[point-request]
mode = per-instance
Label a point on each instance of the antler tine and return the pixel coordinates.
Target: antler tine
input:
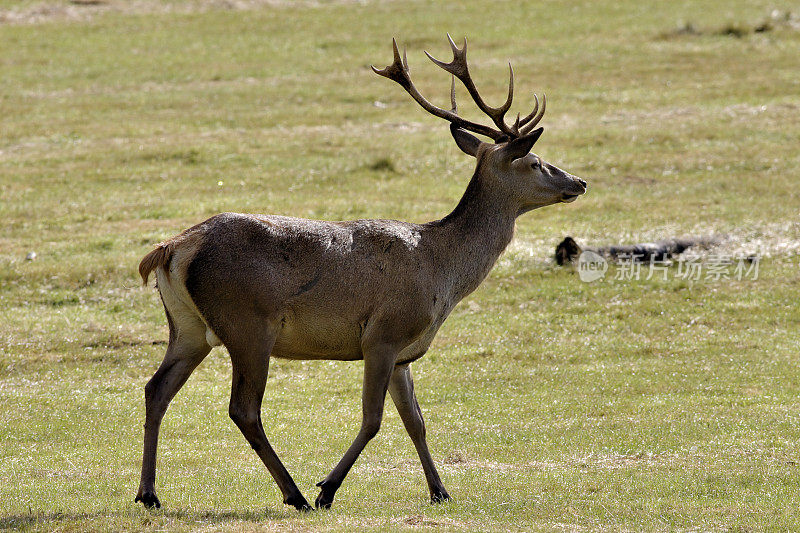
(533, 113)
(459, 68)
(453, 44)
(503, 109)
(535, 120)
(398, 72)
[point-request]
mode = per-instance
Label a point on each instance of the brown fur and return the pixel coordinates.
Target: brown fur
(159, 257)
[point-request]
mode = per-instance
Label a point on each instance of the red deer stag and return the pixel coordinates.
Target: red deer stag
(378, 290)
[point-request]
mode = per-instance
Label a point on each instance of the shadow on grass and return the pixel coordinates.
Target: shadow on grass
(34, 519)
(230, 515)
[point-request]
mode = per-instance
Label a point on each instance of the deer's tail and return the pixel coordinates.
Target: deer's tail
(159, 257)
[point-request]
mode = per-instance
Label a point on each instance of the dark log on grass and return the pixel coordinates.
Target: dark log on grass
(568, 250)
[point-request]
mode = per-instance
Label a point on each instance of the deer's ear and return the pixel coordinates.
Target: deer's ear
(468, 143)
(521, 146)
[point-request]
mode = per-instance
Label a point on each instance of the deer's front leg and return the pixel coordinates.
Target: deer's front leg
(378, 366)
(401, 387)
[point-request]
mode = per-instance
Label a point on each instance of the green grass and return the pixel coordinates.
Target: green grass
(551, 404)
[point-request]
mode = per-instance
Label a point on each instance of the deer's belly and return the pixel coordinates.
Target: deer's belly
(340, 346)
(310, 335)
(318, 338)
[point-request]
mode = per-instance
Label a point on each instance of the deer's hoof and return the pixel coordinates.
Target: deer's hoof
(298, 502)
(325, 498)
(148, 499)
(323, 501)
(439, 496)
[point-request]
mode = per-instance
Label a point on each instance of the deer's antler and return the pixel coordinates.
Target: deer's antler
(458, 68)
(398, 72)
(533, 119)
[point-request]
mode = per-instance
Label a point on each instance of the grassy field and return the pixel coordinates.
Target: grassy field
(551, 404)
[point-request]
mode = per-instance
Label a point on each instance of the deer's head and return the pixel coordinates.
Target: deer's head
(507, 164)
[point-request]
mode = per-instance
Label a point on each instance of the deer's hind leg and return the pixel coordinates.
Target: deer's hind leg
(187, 348)
(250, 352)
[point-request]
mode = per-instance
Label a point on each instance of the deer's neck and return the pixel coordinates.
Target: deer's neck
(472, 237)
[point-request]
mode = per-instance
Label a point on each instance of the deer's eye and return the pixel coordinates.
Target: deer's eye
(536, 165)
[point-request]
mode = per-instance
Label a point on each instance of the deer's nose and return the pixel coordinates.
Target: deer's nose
(582, 182)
